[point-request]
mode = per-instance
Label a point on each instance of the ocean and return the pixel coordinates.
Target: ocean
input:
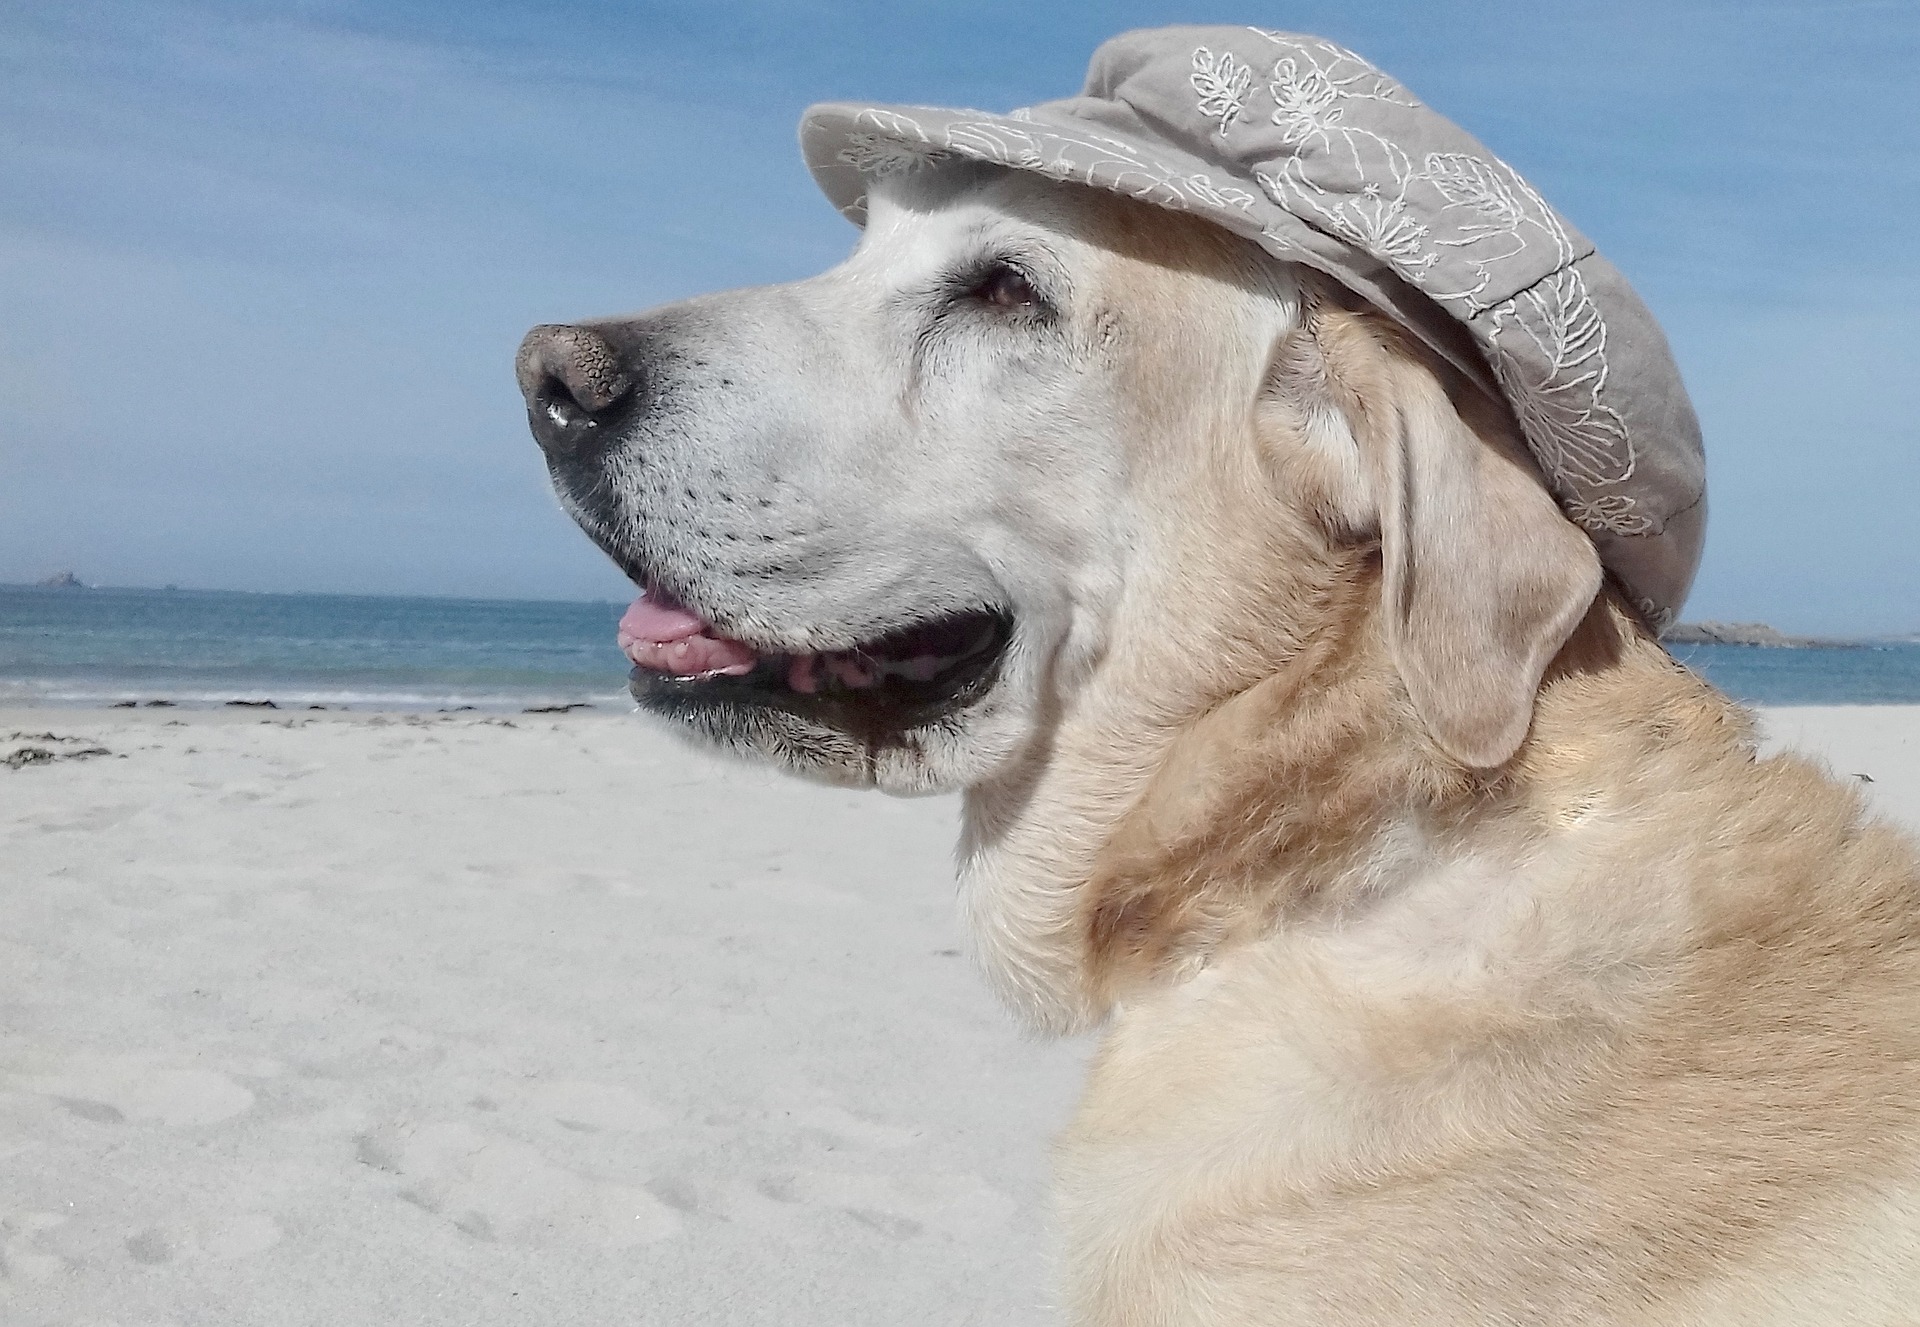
(209, 647)
(204, 648)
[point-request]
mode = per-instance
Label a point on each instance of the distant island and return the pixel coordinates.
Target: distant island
(64, 580)
(1737, 633)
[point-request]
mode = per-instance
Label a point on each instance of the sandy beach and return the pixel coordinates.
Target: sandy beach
(358, 1019)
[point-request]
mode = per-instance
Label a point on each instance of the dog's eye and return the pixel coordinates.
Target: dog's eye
(1005, 288)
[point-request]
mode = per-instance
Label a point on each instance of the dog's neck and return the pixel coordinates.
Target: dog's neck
(1134, 857)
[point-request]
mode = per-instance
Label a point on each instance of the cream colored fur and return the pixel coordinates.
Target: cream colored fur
(1458, 960)
(1461, 961)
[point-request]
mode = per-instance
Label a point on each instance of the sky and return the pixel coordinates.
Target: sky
(263, 267)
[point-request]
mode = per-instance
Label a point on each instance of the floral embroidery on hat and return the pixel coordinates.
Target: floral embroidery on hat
(1204, 190)
(1615, 513)
(1305, 102)
(1223, 83)
(1475, 185)
(1549, 349)
(885, 158)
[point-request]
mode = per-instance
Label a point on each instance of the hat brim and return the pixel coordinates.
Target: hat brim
(847, 146)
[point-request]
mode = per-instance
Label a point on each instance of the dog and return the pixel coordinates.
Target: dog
(1458, 959)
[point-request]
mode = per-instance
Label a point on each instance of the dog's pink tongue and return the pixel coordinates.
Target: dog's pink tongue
(658, 619)
(659, 633)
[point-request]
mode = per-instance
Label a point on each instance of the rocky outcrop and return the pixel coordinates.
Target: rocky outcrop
(1733, 633)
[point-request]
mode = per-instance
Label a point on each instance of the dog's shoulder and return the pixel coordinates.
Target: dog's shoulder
(1651, 996)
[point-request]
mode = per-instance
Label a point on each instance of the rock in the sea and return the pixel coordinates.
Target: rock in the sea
(64, 580)
(1732, 633)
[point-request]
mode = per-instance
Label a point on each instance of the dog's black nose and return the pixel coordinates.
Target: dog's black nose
(574, 385)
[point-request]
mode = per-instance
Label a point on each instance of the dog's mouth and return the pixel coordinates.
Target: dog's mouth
(877, 689)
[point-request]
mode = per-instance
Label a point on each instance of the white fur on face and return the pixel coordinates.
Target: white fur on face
(824, 462)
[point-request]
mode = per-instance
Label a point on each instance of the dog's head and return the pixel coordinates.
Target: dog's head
(1032, 450)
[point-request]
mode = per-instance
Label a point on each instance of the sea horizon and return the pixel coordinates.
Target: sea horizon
(95, 646)
(86, 647)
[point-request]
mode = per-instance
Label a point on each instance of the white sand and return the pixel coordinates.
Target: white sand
(386, 1021)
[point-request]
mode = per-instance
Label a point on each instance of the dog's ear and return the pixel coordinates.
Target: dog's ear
(1484, 578)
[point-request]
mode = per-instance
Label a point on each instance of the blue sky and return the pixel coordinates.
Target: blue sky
(263, 267)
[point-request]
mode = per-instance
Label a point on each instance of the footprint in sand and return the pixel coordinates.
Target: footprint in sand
(239, 1235)
(234, 1235)
(960, 1206)
(21, 1257)
(151, 1247)
(843, 1129)
(92, 821)
(117, 1089)
(495, 1188)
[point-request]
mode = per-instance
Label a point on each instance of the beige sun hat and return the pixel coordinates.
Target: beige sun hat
(1322, 159)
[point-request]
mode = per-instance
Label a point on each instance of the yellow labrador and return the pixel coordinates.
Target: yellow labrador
(1459, 962)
